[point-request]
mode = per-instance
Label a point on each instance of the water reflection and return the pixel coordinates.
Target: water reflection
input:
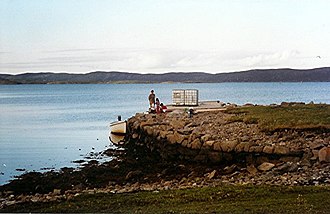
(117, 139)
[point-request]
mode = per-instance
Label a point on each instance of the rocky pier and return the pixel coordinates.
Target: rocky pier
(213, 137)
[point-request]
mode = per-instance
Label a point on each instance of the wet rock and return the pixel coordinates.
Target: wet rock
(212, 174)
(56, 192)
(230, 169)
(266, 166)
(252, 169)
(133, 174)
(317, 144)
(324, 155)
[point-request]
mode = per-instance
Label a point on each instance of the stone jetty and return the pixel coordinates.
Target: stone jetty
(212, 137)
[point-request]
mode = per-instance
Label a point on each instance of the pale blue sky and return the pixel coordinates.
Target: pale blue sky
(156, 36)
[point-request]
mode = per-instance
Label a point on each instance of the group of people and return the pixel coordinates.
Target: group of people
(155, 105)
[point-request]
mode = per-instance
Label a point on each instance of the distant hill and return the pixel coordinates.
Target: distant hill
(260, 75)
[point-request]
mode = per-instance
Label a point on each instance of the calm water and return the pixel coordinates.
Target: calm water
(49, 126)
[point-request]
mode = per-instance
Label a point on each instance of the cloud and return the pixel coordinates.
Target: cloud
(269, 59)
(152, 60)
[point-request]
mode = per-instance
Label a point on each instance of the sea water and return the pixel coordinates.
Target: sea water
(49, 126)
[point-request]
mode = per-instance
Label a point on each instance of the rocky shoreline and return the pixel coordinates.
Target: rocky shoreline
(174, 151)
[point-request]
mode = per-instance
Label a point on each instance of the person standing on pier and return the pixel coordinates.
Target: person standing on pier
(152, 99)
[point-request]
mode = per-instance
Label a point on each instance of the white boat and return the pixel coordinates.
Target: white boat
(118, 132)
(118, 127)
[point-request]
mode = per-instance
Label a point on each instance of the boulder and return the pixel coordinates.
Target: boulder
(175, 138)
(324, 155)
(149, 130)
(163, 134)
(146, 123)
(196, 144)
(281, 150)
(212, 174)
(230, 169)
(256, 149)
(252, 169)
(177, 124)
(268, 149)
(217, 146)
(208, 143)
(266, 166)
(215, 157)
(228, 146)
(241, 147)
(206, 137)
(56, 192)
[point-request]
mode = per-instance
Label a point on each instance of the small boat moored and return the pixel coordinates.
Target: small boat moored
(118, 132)
(118, 127)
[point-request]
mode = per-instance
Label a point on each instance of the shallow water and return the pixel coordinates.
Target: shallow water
(49, 126)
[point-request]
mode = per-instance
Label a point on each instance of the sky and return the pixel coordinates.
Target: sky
(158, 36)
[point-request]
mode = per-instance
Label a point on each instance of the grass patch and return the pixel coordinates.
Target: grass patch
(273, 118)
(222, 199)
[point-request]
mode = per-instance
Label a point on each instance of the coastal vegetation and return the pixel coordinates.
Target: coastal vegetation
(297, 116)
(220, 199)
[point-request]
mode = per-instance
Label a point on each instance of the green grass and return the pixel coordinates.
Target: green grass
(224, 199)
(273, 118)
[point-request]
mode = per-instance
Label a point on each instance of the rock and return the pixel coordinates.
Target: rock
(149, 130)
(268, 149)
(215, 156)
(228, 146)
(212, 174)
(133, 174)
(146, 123)
(209, 143)
(56, 192)
(281, 150)
(206, 137)
(324, 155)
(317, 144)
(242, 147)
(176, 124)
(256, 149)
(229, 169)
(175, 138)
(196, 144)
(163, 134)
(266, 166)
(252, 169)
(217, 146)
(135, 135)
(315, 154)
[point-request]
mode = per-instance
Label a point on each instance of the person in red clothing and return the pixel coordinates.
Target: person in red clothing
(158, 109)
(163, 108)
